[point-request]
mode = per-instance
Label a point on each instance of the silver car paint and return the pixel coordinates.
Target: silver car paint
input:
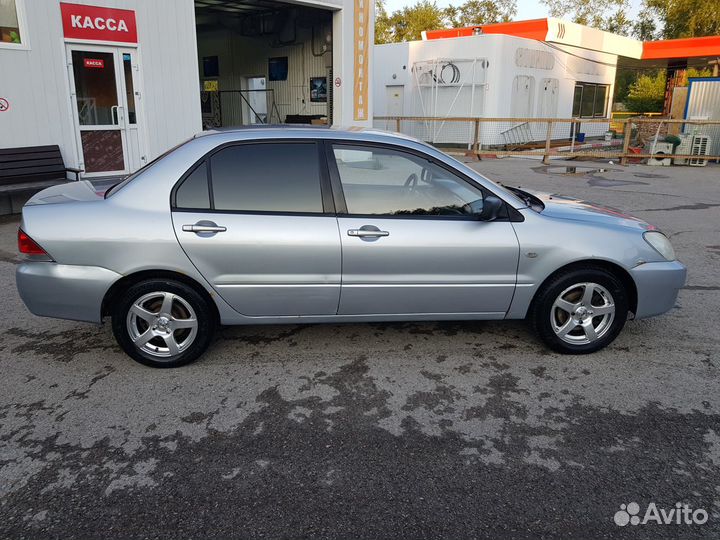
(428, 266)
(266, 265)
(133, 230)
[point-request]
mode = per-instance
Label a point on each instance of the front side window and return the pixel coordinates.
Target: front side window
(267, 177)
(10, 23)
(379, 181)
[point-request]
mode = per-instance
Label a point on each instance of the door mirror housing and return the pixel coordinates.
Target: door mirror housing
(487, 209)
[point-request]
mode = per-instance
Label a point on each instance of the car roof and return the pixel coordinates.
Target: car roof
(270, 131)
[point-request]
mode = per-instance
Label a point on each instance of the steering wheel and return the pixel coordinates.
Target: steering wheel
(412, 181)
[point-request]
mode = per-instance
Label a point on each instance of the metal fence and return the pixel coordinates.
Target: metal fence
(685, 142)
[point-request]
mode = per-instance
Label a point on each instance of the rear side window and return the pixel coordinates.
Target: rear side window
(267, 177)
(194, 192)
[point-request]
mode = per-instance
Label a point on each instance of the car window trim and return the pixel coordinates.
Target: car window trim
(339, 193)
(326, 192)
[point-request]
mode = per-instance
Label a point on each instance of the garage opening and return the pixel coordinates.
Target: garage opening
(264, 62)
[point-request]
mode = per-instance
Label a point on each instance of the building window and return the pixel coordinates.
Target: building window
(12, 33)
(590, 100)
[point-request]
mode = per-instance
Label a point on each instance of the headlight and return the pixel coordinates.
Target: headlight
(661, 244)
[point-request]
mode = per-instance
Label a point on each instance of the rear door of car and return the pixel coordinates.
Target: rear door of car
(257, 220)
(410, 242)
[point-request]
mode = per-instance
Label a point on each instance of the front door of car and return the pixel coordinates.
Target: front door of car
(411, 240)
(253, 218)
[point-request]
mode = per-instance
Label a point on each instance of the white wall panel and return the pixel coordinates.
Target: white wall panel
(35, 81)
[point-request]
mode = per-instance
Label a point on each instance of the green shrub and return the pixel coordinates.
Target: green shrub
(647, 94)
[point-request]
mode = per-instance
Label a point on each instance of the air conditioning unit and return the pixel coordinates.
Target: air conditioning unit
(700, 147)
(661, 148)
(686, 140)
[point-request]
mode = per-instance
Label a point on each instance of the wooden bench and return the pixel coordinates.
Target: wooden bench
(25, 171)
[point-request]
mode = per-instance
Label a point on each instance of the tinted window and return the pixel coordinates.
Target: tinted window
(193, 192)
(590, 100)
(387, 182)
(600, 100)
(273, 177)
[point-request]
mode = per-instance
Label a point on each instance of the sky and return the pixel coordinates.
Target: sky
(526, 9)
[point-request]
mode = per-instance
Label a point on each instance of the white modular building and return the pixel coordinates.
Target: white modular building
(498, 71)
(115, 83)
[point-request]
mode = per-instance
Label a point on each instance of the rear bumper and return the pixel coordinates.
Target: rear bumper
(657, 284)
(64, 291)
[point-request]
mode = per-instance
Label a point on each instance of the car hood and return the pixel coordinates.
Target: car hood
(82, 191)
(562, 207)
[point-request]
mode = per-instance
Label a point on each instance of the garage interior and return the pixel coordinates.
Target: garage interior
(264, 62)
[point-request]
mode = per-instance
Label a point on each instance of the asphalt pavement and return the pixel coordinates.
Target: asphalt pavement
(421, 430)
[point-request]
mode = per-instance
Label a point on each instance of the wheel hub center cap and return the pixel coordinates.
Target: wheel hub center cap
(582, 313)
(162, 323)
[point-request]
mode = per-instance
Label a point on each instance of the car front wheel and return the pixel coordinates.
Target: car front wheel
(162, 323)
(580, 311)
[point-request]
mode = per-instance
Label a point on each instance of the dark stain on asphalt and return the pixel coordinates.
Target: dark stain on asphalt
(701, 288)
(340, 475)
(239, 334)
(61, 346)
(601, 181)
(198, 417)
(539, 372)
(7, 257)
(695, 206)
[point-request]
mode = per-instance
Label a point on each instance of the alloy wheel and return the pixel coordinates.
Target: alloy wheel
(582, 313)
(162, 324)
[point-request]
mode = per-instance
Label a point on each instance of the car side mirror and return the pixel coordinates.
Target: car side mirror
(489, 208)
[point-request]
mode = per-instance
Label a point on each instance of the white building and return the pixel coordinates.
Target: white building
(115, 83)
(554, 69)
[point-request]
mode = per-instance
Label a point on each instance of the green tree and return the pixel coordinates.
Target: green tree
(383, 32)
(475, 12)
(694, 73)
(647, 93)
(645, 26)
(624, 78)
(610, 15)
(408, 23)
(685, 18)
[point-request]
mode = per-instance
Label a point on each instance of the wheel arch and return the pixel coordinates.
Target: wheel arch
(129, 280)
(618, 271)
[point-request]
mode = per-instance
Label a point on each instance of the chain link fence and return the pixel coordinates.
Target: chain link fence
(683, 142)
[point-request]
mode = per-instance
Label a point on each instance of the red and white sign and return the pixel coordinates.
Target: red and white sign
(94, 63)
(4, 105)
(93, 23)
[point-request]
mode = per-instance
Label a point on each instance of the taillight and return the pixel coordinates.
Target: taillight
(28, 246)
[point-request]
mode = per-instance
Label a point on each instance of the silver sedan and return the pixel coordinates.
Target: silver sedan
(268, 226)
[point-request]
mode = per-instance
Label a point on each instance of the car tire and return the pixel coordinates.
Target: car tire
(163, 323)
(567, 322)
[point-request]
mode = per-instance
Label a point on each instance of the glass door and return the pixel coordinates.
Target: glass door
(101, 115)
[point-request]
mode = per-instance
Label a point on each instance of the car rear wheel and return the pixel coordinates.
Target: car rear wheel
(162, 323)
(580, 311)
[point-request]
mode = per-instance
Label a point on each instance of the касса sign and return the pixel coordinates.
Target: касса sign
(93, 23)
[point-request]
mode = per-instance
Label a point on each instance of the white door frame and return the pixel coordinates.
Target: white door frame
(122, 124)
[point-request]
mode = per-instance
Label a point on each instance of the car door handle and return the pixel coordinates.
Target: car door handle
(197, 228)
(367, 233)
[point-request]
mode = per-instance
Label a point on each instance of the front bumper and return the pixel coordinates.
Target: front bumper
(657, 285)
(64, 291)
